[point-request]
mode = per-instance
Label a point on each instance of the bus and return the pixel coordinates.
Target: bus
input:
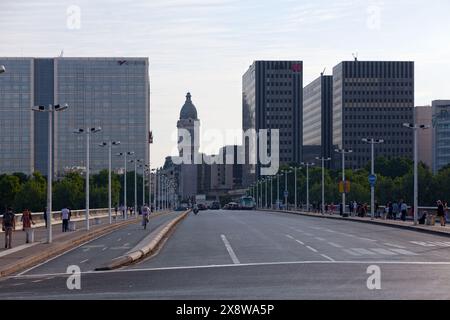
(247, 203)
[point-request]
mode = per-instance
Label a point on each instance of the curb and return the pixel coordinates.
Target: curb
(60, 248)
(380, 223)
(145, 250)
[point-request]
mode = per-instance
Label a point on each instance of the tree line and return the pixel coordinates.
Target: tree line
(20, 191)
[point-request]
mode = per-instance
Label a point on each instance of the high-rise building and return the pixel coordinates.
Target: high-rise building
(423, 116)
(317, 119)
(441, 134)
(272, 98)
(111, 93)
(373, 99)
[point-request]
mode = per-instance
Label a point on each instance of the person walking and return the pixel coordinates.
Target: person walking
(395, 210)
(403, 210)
(45, 217)
(145, 216)
(27, 221)
(441, 212)
(8, 225)
(65, 219)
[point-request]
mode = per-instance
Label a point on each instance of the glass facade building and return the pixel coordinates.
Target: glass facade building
(441, 134)
(373, 99)
(111, 93)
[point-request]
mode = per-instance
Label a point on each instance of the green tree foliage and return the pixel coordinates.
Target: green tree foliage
(32, 194)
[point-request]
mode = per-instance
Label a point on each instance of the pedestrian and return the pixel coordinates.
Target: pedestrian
(8, 226)
(441, 212)
(403, 210)
(45, 217)
(395, 210)
(27, 221)
(65, 219)
(145, 216)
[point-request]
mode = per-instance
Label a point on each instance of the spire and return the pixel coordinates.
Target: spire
(188, 97)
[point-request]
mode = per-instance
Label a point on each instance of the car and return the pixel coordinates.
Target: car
(215, 205)
(202, 206)
(231, 206)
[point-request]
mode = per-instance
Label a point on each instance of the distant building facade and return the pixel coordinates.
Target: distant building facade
(441, 134)
(372, 99)
(272, 98)
(111, 93)
(424, 115)
(318, 120)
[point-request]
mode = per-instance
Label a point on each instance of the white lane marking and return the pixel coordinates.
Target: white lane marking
(327, 257)
(230, 250)
(334, 245)
(329, 230)
(50, 278)
(104, 248)
(354, 262)
(37, 281)
(86, 249)
(126, 244)
(394, 245)
(440, 243)
(300, 242)
(119, 239)
(290, 237)
(312, 249)
(423, 244)
(320, 239)
(18, 248)
(367, 239)
(404, 252)
(351, 252)
(384, 251)
(362, 251)
(84, 261)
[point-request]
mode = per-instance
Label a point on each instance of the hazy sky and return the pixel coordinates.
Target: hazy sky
(204, 46)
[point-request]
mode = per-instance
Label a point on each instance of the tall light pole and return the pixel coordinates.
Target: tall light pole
(343, 152)
(155, 191)
(125, 154)
(88, 133)
(286, 192)
(265, 196)
(416, 127)
(278, 191)
(271, 192)
(372, 143)
(50, 110)
(307, 165)
(109, 144)
(135, 161)
(323, 159)
(295, 188)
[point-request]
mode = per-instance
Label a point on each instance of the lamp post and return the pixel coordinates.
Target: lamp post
(135, 161)
(125, 154)
(278, 191)
(372, 143)
(109, 144)
(307, 165)
(50, 110)
(343, 152)
(286, 192)
(88, 133)
(323, 159)
(271, 192)
(265, 195)
(295, 189)
(155, 180)
(416, 127)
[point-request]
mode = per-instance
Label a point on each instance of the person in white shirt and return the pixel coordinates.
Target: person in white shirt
(65, 219)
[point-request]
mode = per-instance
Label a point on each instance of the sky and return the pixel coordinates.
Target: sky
(205, 46)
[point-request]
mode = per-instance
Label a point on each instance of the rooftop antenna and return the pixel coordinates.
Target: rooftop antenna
(355, 56)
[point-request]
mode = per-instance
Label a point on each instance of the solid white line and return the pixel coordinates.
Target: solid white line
(381, 262)
(327, 257)
(230, 250)
(312, 249)
(334, 245)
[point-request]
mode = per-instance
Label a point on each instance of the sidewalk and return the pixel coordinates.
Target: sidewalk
(436, 229)
(23, 256)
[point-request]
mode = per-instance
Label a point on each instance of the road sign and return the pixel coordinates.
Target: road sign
(372, 179)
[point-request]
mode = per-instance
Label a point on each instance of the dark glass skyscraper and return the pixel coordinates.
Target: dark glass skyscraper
(372, 99)
(272, 97)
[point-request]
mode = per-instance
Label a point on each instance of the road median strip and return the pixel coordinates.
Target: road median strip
(147, 246)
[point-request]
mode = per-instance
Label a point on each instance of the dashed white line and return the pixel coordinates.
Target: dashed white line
(334, 245)
(362, 251)
(404, 252)
(328, 258)
(312, 249)
(37, 281)
(230, 250)
(300, 242)
(84, 261)
(320, 239)
(290, 237)
(104, 248)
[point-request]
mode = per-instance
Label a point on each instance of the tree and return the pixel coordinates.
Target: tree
(32, 194)
(69, 192)
(9, 187)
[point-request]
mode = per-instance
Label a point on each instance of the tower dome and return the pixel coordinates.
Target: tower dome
(188, 111)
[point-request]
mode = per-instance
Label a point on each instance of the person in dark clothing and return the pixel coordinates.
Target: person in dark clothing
(441, 212)
(8, 225)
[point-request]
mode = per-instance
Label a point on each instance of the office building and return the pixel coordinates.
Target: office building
(317, 120)
(111, 93)
(441, 134)
(272, 97)
(373, 99)
(423, 116)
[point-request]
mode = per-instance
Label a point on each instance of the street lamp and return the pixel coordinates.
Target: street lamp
(51, 109)
(323, 159)
(416, 127)
(286, 192)
(109, 144)
(307, 165)
(343, 152)
(125, 154)
(278, 190)
(372, 143)
(265, 195)
(154, 188)
(271, 192)
(88, 133)
(135, 161)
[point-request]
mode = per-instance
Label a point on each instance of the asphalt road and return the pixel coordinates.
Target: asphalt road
(260, 255)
